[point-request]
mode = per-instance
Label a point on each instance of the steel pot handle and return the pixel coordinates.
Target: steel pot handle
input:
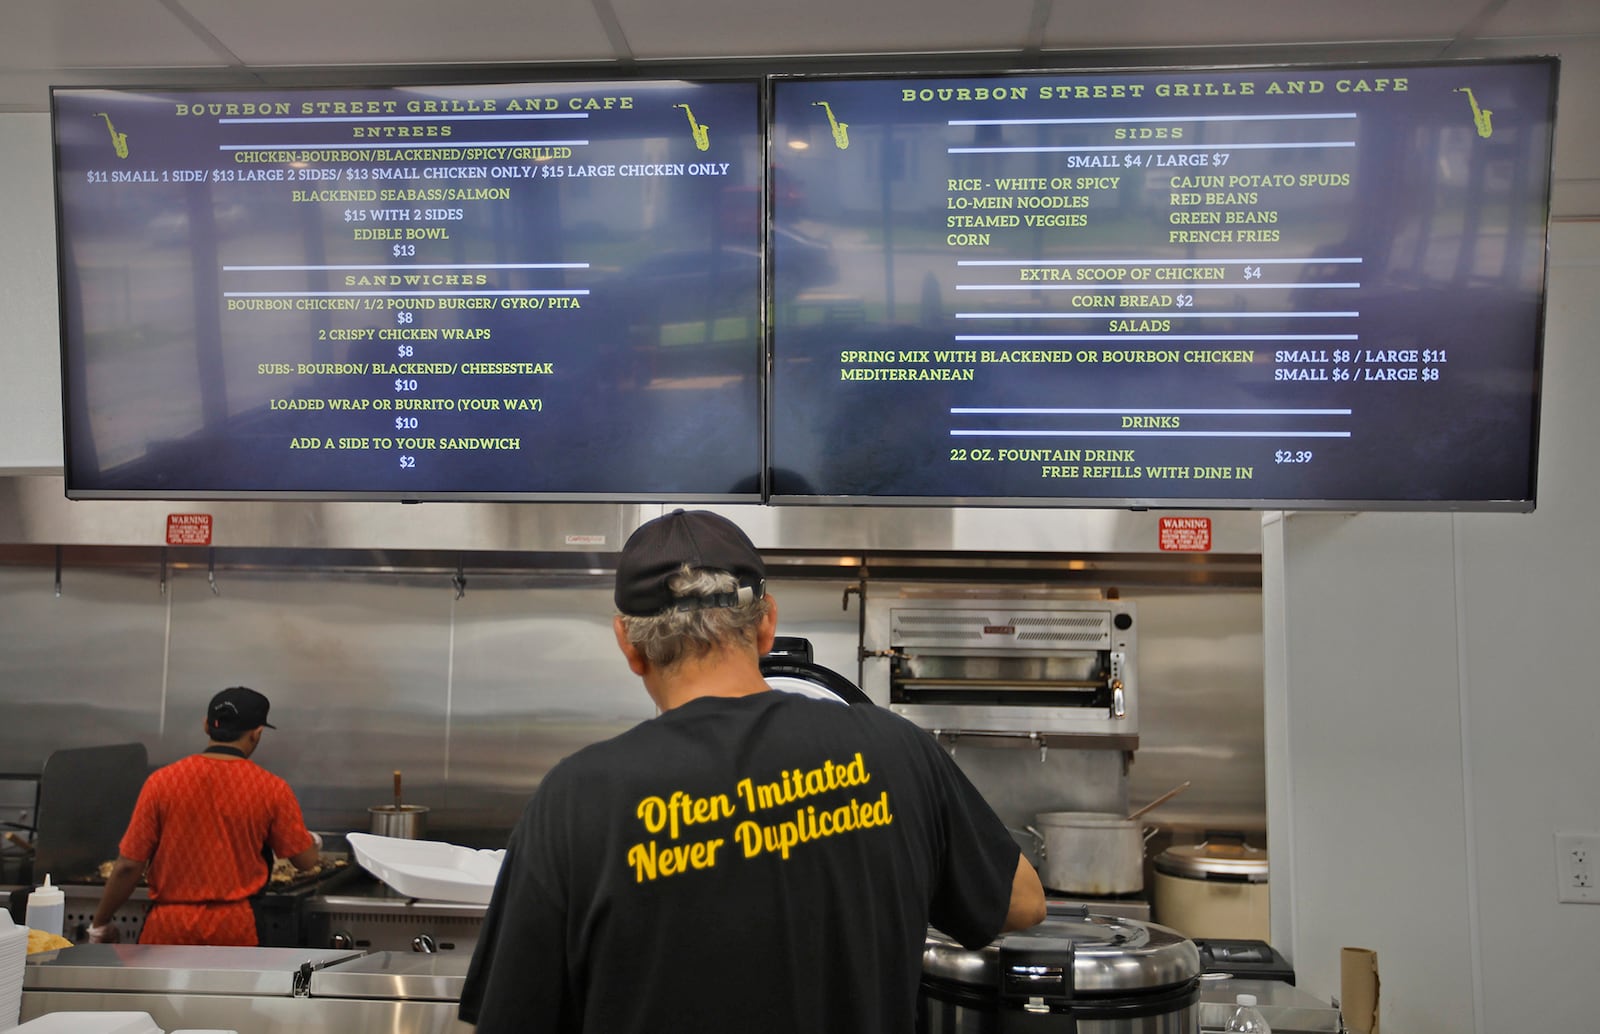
(1038, 838)
(1149, 832)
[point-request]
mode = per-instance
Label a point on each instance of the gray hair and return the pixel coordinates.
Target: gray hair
(678, 635)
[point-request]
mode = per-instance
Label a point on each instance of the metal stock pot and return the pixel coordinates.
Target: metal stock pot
(1091, 852)
(1075, 972)
(408, 821)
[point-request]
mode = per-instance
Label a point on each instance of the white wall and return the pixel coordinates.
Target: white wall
(1434, 718)
(30, 370)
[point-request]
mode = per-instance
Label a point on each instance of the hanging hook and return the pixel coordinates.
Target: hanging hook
(211, 571)
(163, 570)
(459, 581)
(58, 572)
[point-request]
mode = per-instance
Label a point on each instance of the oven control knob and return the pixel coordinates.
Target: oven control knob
(424, 943)
(341, 940)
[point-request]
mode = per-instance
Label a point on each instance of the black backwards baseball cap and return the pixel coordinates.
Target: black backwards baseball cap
(236, 710)
(658, 550)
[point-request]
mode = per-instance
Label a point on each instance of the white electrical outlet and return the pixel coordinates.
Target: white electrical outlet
(1578, 868)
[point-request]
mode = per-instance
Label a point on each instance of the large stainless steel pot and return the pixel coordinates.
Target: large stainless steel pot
(407, 821)
(1091, 852)
(1075, 972)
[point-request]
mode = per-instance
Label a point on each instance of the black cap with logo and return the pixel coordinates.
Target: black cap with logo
(659, 549)
(235, 711)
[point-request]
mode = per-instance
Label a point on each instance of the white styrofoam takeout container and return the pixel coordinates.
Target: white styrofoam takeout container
(90, 1023)
(429, 868)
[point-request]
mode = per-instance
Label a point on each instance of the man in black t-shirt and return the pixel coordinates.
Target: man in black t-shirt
(748, 860)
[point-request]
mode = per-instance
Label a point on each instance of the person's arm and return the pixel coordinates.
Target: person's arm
(311, 857)
(289, 829)
(125, 876)
(1027, 898)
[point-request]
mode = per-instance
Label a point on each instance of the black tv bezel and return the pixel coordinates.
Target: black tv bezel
(441, 80)
(1247, 503)
(766, 82)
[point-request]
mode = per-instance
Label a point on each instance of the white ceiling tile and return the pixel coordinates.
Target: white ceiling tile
(26, 91)
(371, 32)
(732, 28)
(1090, 24)
(47, 34)
(1543, 18)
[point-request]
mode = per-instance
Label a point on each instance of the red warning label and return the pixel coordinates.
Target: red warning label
(188, 529)
(1186, 534)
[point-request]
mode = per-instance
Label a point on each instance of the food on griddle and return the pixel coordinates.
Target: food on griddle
(283, 871)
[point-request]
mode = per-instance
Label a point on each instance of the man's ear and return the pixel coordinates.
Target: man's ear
(637, 662)
(767, 630)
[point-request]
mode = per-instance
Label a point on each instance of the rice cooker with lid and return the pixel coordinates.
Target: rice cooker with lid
(789, 668)
(1075, 973)
(1215, 889)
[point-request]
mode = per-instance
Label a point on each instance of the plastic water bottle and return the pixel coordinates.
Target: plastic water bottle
(47, 908)
(1246, 1018)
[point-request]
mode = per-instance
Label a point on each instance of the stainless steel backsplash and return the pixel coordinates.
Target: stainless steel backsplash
(376, 661)
(474, 699)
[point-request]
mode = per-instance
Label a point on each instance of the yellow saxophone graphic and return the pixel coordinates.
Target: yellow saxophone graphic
(118, 140)
(1480, 116)
(841, 130)
(702, 134)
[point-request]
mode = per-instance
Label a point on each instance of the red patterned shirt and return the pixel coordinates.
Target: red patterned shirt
(202, 822)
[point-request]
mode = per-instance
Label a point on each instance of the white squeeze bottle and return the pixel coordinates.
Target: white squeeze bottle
(47, 908)
(1246, 1018)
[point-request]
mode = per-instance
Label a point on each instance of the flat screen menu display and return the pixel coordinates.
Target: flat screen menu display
(1278, 287)
(537, 290)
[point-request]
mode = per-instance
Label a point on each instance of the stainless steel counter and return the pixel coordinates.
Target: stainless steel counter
(252, 990)
(139, 968)
(393, 975)
(1286, 1008)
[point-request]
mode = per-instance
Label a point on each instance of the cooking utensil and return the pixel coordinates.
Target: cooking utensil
(399, 819)
(1091, 852)
(1164, 798)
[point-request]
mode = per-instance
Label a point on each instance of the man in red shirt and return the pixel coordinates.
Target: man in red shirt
(200, 832)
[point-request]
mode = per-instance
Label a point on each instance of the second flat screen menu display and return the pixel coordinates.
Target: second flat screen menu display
(1281, 286)
(538, 290)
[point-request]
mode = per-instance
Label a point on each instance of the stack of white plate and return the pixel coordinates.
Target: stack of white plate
(13, 958)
